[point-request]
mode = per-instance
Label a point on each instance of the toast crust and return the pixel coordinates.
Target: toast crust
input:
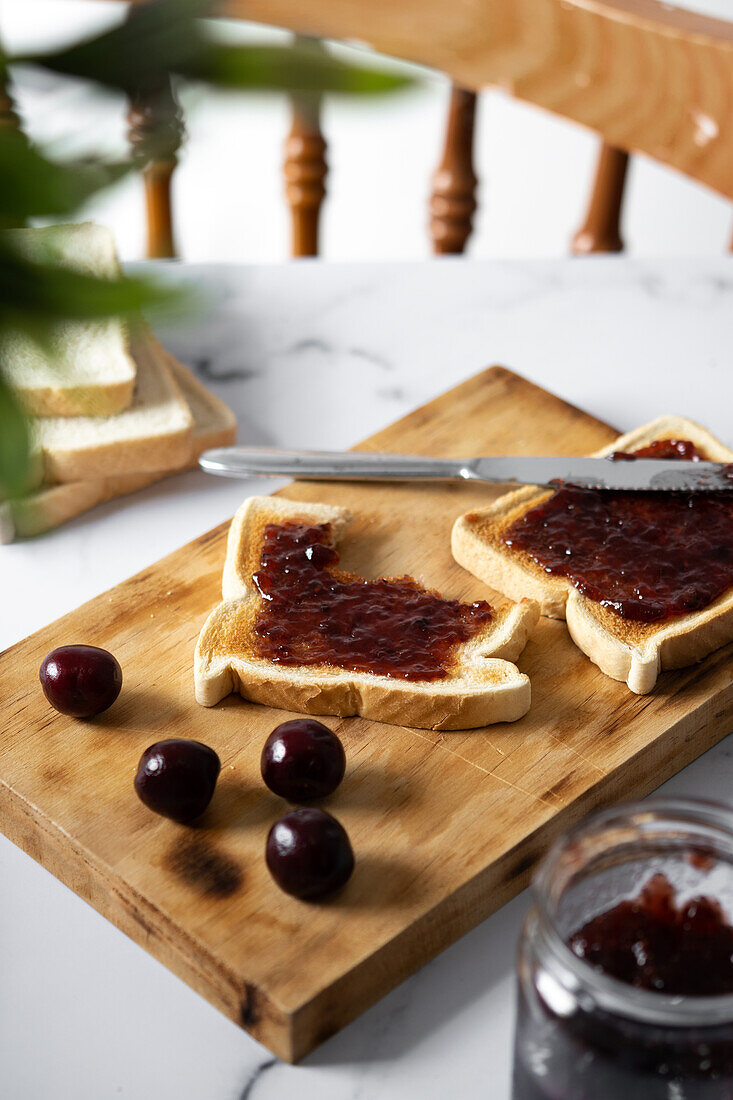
(481, 685)
(632, 652)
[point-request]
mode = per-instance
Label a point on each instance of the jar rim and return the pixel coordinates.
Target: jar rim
(612, 994)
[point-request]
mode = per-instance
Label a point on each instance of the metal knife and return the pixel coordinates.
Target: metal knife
(590, 473)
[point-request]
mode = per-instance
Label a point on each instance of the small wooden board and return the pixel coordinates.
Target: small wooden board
(446, 828)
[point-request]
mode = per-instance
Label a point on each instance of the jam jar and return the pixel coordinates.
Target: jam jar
(625, 969)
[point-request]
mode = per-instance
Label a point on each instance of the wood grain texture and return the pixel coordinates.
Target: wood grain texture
(446, 828)
(452, 199)
(648, 77)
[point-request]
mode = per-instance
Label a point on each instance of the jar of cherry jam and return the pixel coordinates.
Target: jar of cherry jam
(625, 967)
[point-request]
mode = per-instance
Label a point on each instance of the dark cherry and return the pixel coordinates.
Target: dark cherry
(303, 760)
(80, 680)
(177, 778)
(309, 854)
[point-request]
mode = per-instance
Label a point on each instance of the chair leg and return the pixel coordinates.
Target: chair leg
(155, 132)
(305, 167)
(600, 231)
(452, 200)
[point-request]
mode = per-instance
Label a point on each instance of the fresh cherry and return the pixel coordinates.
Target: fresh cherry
(309, 854)
(303, 760)
(80, 680)
(177, 778)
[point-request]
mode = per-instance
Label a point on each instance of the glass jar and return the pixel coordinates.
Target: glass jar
(584, 1035)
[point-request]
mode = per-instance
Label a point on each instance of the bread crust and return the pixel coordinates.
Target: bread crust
(482, 686)
(89, 400)
(632, 652)
(70, 391)
(82, 447)
(214, 426)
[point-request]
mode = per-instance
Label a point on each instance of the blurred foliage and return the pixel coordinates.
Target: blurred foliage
(157, 40)
(14, 444)
(179, 43)
(33, 295)
(32, 186)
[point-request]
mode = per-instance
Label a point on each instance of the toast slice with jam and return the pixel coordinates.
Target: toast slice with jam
(644, 580)
(297, 632)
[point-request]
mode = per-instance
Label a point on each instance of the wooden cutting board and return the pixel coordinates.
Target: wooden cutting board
(446, 828)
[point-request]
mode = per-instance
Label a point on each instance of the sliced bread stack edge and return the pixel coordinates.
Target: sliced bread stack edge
(212, 425)
(111, 410)
(82, 368)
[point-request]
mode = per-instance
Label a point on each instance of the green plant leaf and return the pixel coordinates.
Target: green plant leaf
(156, 38)
(33, 186)
(32, 293)
(14, 445)
(288, 68)
(167, 36)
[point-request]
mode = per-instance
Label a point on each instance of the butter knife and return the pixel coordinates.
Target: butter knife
(591, 473)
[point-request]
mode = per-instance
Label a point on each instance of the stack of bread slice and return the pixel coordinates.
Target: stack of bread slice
(111, 410)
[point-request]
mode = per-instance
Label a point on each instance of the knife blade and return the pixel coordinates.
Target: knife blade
(591, 473)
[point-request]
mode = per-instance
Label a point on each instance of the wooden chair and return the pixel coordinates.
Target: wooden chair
(647, 77)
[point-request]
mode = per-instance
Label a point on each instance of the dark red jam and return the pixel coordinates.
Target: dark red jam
(645, 556)
(315, 614)
(652, 942)
(662, 448)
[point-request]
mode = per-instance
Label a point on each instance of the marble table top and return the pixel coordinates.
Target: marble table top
(322, 355)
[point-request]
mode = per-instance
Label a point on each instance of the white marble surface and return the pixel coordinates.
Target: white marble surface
(321, 355)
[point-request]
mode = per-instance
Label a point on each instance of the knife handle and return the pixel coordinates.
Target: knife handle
(331, 465)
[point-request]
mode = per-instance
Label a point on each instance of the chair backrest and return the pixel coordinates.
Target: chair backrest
(646, 76)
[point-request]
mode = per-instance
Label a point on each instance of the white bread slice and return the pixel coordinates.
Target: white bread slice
(153, 434)
(481, 685)
(632, 652)
(85, 368)
(214, 426)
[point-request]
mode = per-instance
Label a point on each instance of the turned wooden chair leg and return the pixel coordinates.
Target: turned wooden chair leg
(305, 167)
(155, 133)
(452, 200)
(305, 170)
(600, 231)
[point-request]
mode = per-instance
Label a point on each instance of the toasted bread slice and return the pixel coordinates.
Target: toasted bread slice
(481, 685)
(84, 368)
(214, 426)
(629, 651)
(154, 434)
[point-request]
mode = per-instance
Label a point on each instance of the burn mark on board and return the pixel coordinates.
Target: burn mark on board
(195, 861)
(524, 864)
(251, 1005)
